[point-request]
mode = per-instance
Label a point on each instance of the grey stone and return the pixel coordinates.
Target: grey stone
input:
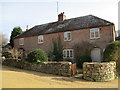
(99, 71)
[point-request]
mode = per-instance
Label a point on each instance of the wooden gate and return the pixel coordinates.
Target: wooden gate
(73, 69)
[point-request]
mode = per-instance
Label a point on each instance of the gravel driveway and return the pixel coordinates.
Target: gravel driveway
(18, 78)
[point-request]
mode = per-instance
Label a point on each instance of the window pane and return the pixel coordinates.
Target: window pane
(40, 39)
(92, 30)
(92, 34)
(67, 53)
(21, 41)
(64, 53)
(71, 53)
(96, 30)
(65, 36)
(69, 36)
(96, 34)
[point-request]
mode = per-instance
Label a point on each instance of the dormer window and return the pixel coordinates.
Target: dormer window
(21, 41)
(94, 33)
(40, 39)
(67, 36)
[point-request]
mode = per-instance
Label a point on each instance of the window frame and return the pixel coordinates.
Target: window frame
(21, 41)
(39, 40)
(67, 36)
(65, 54)
(93, 32)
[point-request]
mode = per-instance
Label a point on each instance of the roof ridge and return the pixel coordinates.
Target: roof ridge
(76, 23)
(101, 19)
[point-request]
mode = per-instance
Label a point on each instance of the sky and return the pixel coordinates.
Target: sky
(35, 12)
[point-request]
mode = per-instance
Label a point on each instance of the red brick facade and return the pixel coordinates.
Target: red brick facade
(106, 35)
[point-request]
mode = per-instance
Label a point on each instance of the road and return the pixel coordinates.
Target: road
(19, 78)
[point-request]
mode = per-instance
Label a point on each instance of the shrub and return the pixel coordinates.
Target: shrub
(112, 53)
(83, 59)
(37, 56)
(82, 52)
(56, 52)
(6, 54)
(15, 53)
(82, 49)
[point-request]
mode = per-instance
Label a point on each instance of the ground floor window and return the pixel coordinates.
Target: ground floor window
(68, 53)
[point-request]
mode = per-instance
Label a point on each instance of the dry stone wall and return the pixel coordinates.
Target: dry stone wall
(94, 71)
(57, 68)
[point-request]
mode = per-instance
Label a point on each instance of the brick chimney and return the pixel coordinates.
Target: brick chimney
(61, 17)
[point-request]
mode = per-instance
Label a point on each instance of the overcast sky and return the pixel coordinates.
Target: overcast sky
(35, 12)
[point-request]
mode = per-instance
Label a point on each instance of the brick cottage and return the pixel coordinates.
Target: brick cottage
(86, 28)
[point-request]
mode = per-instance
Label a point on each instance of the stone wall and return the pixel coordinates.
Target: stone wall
(94, 71)
(57, 68)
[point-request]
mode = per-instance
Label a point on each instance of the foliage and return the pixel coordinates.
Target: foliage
(82, 52)
(83, 59)
(37, 56)
(16, 31)
(112, 52)
(82, 49)
(15, 53)
(56, 52)
(6, 55)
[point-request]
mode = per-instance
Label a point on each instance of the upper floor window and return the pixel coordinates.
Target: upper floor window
(94, 33)
(67, 36)
(40, 39)
(68, 53)
(21, 41)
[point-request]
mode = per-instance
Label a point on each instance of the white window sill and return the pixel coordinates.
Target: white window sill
(40, 42)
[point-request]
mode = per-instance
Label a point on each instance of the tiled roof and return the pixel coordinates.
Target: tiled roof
(78, 23)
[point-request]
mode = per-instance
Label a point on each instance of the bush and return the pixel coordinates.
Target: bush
(7, 54)
(83, 59)
(37, 56)
(56, 51)
(15, 53)
(82, 49)
(112, 53)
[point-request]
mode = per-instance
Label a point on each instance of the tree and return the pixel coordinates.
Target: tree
(56, 52)
(3, 40)
(16, 31)
(82, 52)
(112, 53)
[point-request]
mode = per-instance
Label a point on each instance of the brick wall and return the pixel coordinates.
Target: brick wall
(106, 36)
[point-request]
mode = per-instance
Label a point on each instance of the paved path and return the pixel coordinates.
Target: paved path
(18, 78)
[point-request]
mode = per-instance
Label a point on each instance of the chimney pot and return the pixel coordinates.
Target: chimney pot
(61, 16)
